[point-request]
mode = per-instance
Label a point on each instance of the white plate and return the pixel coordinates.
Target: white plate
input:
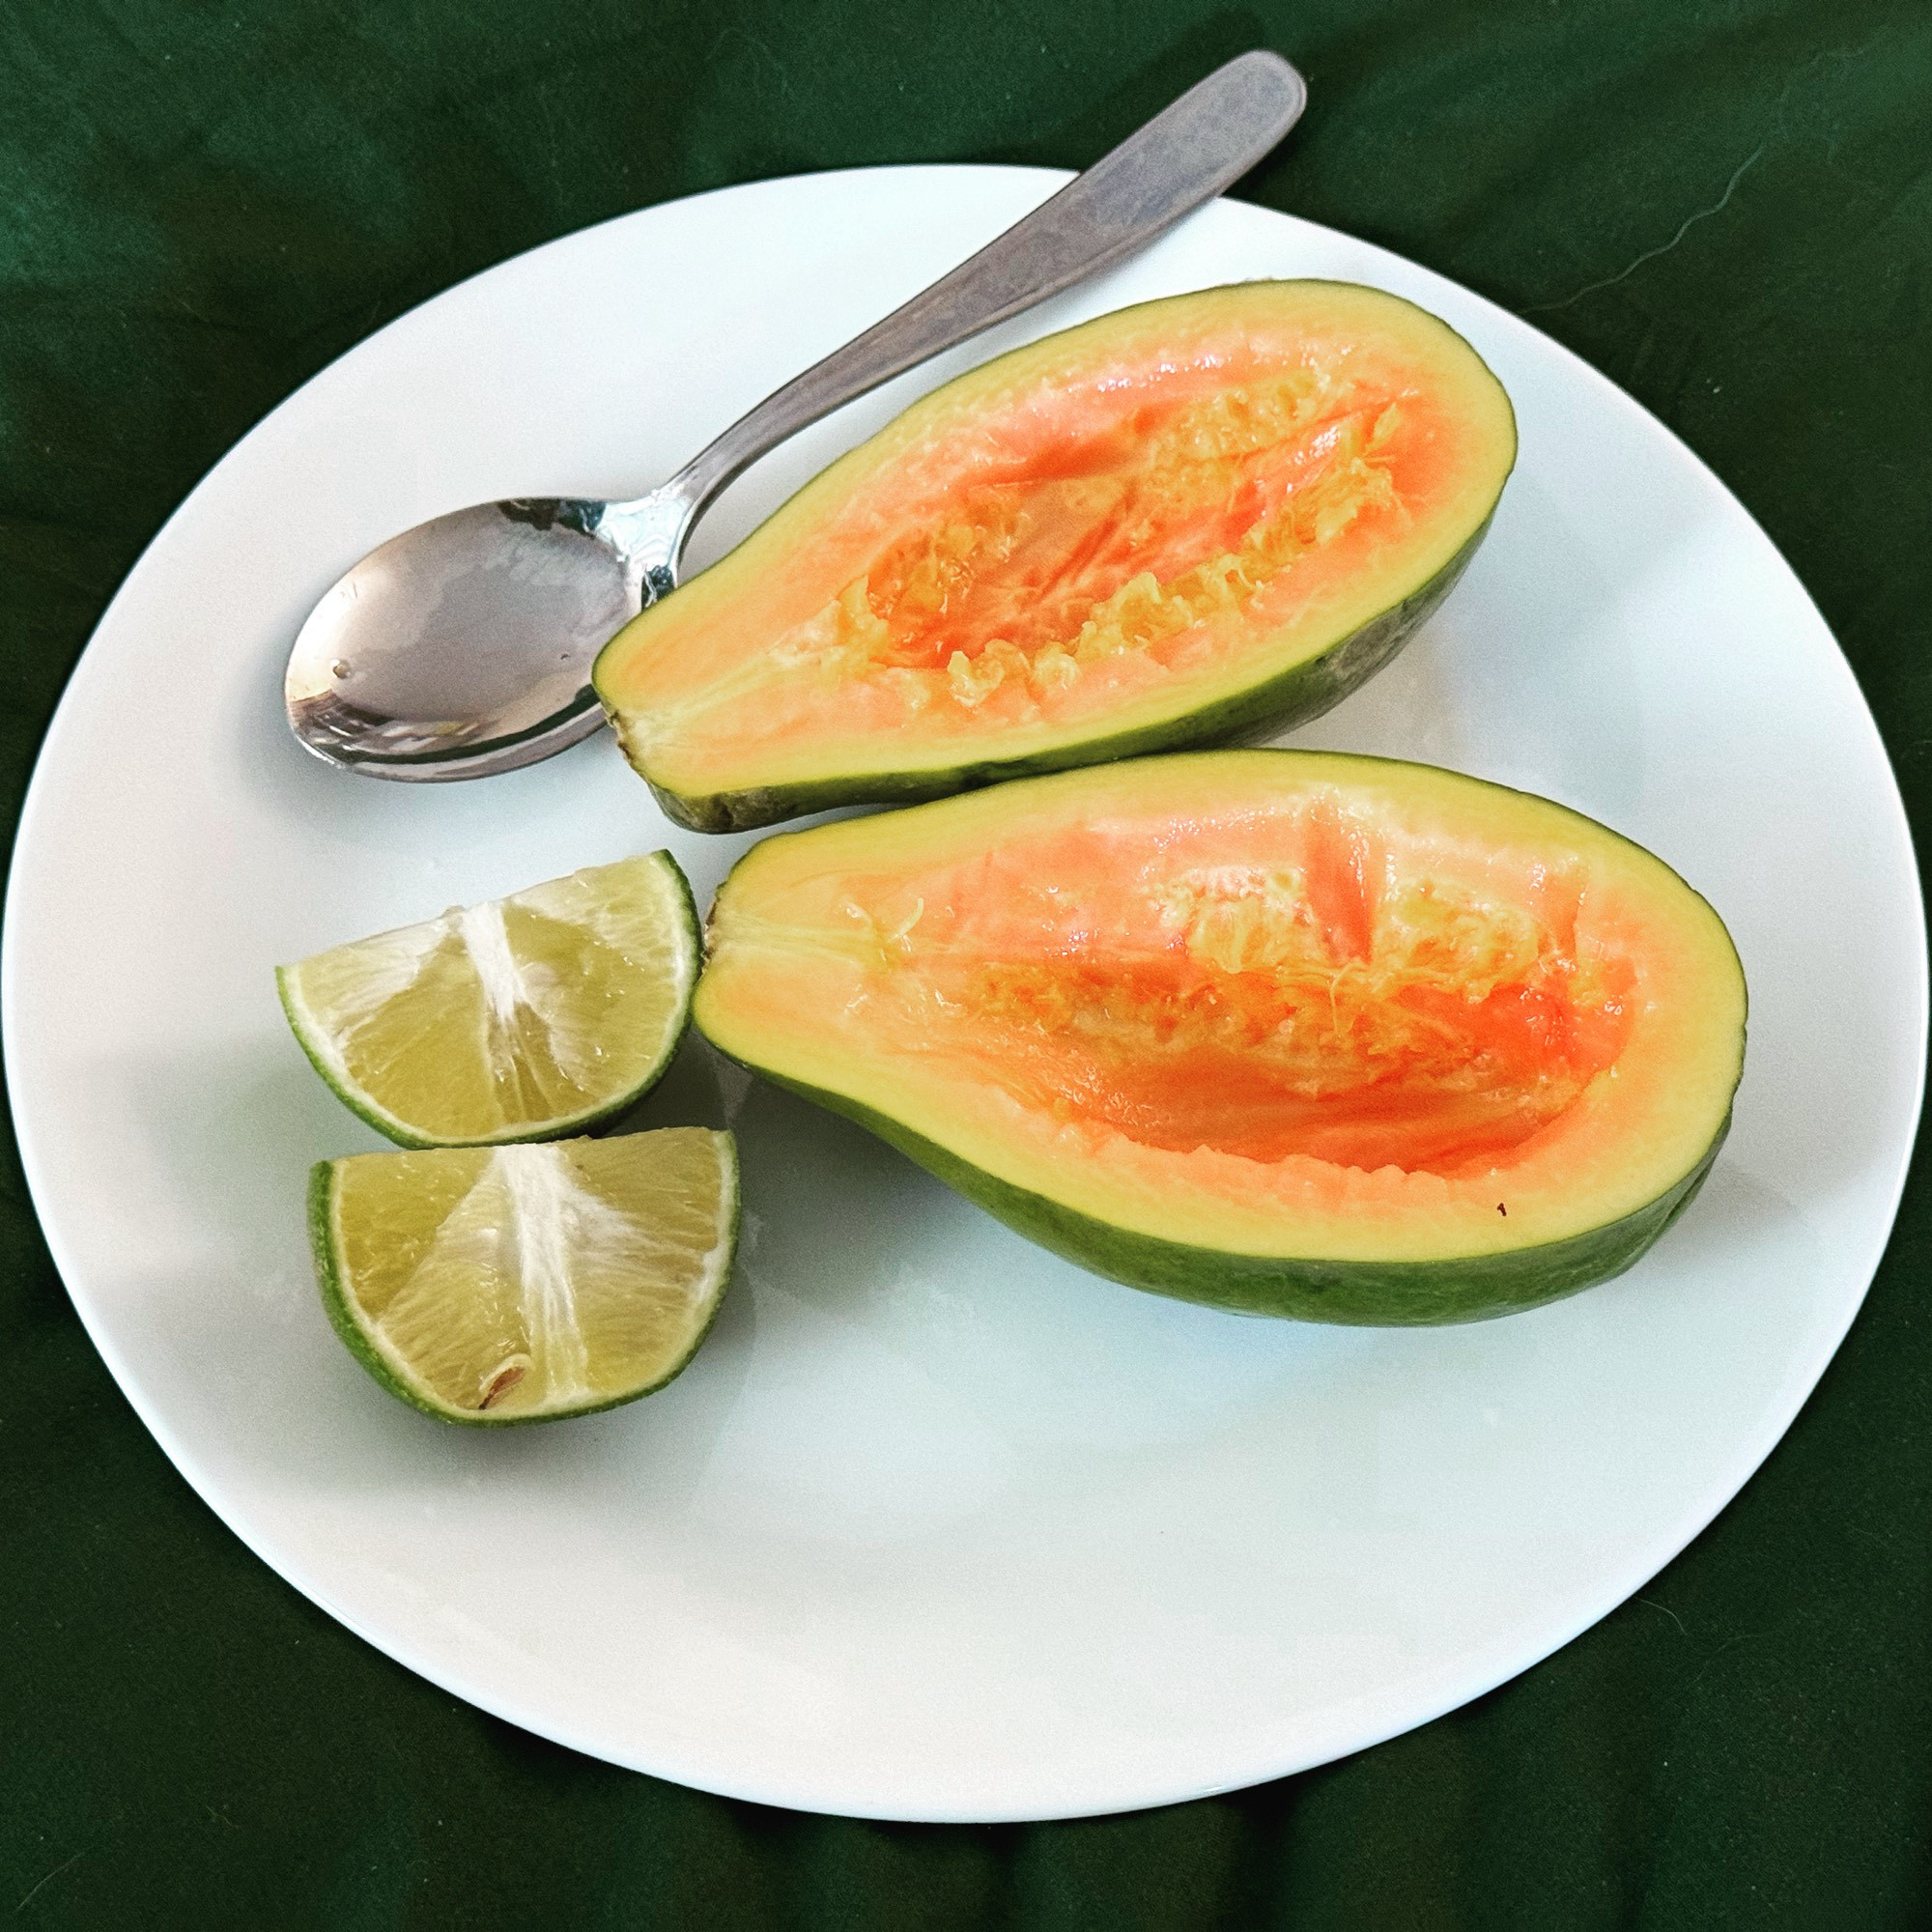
(936, 1526)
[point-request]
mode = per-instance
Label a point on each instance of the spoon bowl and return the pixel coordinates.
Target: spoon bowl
(463, 646)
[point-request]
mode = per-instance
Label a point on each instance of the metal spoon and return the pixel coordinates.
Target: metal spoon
(464, 646)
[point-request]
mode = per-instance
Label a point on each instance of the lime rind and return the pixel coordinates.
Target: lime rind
(319, 1046)
(387, 1367)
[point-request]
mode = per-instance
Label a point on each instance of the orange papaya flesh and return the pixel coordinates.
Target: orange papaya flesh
(1297, 1033)
(1194, 520)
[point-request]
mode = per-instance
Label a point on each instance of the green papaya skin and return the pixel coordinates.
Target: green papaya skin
(1362, 1295)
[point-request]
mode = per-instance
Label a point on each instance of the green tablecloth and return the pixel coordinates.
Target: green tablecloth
(1725, 207)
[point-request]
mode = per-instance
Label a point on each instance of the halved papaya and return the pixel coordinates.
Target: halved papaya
(1295, 1033)
(1187, 522)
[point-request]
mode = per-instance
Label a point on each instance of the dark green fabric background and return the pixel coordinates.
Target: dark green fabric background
(1726, 207)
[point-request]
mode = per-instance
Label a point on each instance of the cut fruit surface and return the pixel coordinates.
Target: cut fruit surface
(1191, 521)
(521, 1019)
(519, 1284)
(1294, 1032)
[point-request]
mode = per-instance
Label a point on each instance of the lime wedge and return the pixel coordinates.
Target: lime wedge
(519, 1284)
(519, 1020)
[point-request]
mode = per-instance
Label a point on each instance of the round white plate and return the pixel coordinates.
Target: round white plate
(936, 1526)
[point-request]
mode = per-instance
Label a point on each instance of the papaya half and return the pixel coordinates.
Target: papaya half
(1293, 1033)
(1188, 523)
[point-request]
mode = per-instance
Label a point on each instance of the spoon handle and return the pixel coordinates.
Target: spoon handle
(1186, 154)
